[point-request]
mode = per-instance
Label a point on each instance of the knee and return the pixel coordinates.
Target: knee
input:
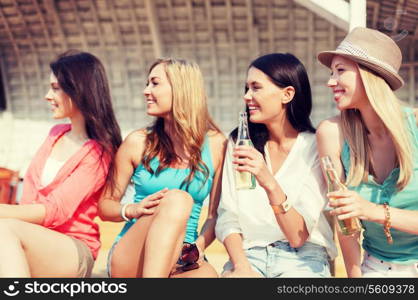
(9, 227)
(176, 204)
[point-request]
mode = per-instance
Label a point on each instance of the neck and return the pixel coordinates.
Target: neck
(281, 131)
(78, 128)
(373, 122)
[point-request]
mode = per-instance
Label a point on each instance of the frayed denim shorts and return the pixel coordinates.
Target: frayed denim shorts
(279, 259)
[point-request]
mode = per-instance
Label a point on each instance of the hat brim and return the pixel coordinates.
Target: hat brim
(393, 79)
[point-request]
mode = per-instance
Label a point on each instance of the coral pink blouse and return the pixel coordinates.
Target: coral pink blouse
(71, 198)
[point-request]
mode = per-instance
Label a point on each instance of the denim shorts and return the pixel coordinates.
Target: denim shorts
(279, 259)
(374, 267)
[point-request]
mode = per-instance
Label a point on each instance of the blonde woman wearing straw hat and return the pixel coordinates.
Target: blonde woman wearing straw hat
(374, 144)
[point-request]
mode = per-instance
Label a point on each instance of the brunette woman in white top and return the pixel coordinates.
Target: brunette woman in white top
(277, 229)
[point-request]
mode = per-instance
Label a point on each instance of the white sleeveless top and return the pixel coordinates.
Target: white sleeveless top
(51, 168)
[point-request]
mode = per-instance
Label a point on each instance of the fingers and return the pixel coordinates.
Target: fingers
(246, 151)
(157, 195)
(148, 211)
(340, 194)
(337, 202)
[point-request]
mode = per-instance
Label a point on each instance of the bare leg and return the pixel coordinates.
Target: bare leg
(30, 250)
(152, 245)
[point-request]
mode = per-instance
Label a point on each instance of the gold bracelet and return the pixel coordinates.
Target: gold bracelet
(387, 224)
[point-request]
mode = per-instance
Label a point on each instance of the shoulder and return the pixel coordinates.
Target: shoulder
(133, 146)
(217, 142)
(59, 128)
(216, 139)
(329, 136)
(329, 127)
(136, 137)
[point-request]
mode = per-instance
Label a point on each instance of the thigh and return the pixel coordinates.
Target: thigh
(128, 254)
(205, 270)
(49, 253)
(257, 256)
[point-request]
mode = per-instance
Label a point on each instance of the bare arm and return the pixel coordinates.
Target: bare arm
(127, 158)
(329, 142)
(291, 223)
(32, 213)
(218, 146)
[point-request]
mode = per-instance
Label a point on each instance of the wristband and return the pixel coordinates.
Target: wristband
(123, 211)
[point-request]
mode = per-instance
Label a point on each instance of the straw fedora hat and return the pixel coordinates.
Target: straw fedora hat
(372, 49)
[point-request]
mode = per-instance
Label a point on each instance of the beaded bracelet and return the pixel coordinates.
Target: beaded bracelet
(387, 224)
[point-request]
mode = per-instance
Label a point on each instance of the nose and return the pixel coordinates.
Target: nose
(248, 96)
(331, 82)
(147, 90)
(48, 95)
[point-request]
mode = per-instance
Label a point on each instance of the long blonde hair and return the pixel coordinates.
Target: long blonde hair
(389, 109)
(190, 117)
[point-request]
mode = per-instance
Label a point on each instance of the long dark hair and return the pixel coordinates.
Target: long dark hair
(82, 77)
(283, 69)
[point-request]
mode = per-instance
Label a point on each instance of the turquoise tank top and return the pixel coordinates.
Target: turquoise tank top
(146, 184)
(404, 249)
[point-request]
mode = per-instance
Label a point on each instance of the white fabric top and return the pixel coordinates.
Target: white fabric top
(249, 213)
(51, 168)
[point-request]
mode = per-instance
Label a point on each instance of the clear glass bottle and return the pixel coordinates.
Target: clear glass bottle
(347, 226)
(244, 180)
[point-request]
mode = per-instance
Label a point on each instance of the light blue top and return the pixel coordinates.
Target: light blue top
(404, 249)
(146, 184)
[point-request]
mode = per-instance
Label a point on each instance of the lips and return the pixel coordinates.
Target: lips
(338, 94)
(252, 107)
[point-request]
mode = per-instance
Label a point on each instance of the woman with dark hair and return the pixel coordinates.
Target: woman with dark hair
(278, 228)
(52, 232)
(175, 164)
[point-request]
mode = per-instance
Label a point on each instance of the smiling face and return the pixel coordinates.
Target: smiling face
(264, 99)
(61, 104)
(346, 84)
(158, 93)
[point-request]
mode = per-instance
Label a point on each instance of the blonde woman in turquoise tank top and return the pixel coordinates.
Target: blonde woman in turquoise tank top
(374, 145)
(174, 165)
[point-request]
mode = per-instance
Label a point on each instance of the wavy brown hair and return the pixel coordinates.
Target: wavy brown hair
(190, 117)
(82, 77)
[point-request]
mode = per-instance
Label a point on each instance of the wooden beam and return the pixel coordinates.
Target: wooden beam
(172, 28)
(375, 17)
(252, 28)
(291, 25)
(52, 11)
(37, 62)
(84, 43)
(233, 50)
(270, 24)
(154, 26)
(122, 66)
(336, 12)
(4, 77)
(213, 56)
(411, 57)
(358, 14)
(44, 27)
(19, 62)
(192, 31)
(311, 41)
(137, 35)
(398, 13)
